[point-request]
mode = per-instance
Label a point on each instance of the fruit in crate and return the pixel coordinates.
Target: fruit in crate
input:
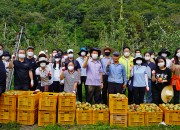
(118, 95)
(66, 94)
(151, 108)
(100, 107)
(83, 106)
(171, 106)
(135, 108)
(12, 92)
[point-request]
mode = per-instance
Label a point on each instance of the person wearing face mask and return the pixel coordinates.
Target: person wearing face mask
(23, 74)
(176, 75)
(161, 77)
(152, 54)
(81, 59)
(94, 75)
(117, 78)
(52, 59)
(2, 72)
(71, 78)
(165, 53)
(6, 60)
(44, 73)
(32, 61)
(137, 52)
(77, 66)
(127, 61)
(150, 68)
(56, 71)
(140, 80)
(106, 51)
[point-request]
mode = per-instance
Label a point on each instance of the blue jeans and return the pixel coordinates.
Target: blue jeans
(148, 95)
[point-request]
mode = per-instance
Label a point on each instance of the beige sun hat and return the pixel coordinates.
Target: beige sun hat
(167, 94)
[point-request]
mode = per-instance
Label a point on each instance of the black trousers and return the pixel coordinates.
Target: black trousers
(93, 91)
(56, 87)
(130, 96)
(105, 89)
(2, 89)
(157, 95)
(114, 88)
(176, 95)
(79, 88)
(139, 93)
(152, 90)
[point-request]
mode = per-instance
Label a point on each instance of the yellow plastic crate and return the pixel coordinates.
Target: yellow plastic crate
(7, 116)
(8, 100)
(118, 120)
(136, 118)
(48, 101)
(152, 118)
(28, 101)
(27, 117)
(46, 117)
(84, 116)
(172, 117)
(100, 116)
(117, 105)
(67, 103)
(66, 117)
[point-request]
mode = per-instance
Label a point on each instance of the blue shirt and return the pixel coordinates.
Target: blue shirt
(104, 62)
(139, 76)
(117, 73)
(81, 61)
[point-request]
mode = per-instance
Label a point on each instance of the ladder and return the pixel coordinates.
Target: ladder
(11, 71)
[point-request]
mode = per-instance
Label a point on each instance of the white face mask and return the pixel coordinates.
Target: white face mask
(30, 54)
(70, 68)
(22, 56)
(70, 55)
(94, 56)
(178, 54)
(137, 54)
(6, 58)
(164, 55)
(83, 53)
(42, 64)
(65, 57)
(57, 59)
(161, 64)
(152, 56)
(54, 54)
(147, 58)
(1, 52)
(139, 62)
(126, 54)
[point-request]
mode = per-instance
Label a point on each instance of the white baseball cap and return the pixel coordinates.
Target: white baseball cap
(69, 50)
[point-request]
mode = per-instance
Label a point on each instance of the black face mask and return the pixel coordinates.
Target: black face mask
(107, 53)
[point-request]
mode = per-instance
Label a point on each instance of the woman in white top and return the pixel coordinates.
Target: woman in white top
(56, 72)
(44, 73)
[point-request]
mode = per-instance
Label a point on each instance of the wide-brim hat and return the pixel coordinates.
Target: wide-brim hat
(106, 48)
(95, 49)
(138, 57)
(82, 49)
(167, 94)
(30, 47)
(42, 60)
(164, 51)
(6, 53)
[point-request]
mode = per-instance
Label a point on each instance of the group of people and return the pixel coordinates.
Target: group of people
(100, 72)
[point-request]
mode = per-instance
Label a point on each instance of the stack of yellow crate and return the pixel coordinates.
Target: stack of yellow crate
(27, 110)
(47, 108)
(118, 105)
(8, 105)
(66, 108)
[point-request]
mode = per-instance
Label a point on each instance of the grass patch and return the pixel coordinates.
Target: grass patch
(10, 126)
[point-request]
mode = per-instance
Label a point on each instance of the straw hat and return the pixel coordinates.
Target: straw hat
(167, 94)
(106, 48)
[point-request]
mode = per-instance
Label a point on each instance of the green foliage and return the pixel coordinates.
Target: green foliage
(144, 24)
